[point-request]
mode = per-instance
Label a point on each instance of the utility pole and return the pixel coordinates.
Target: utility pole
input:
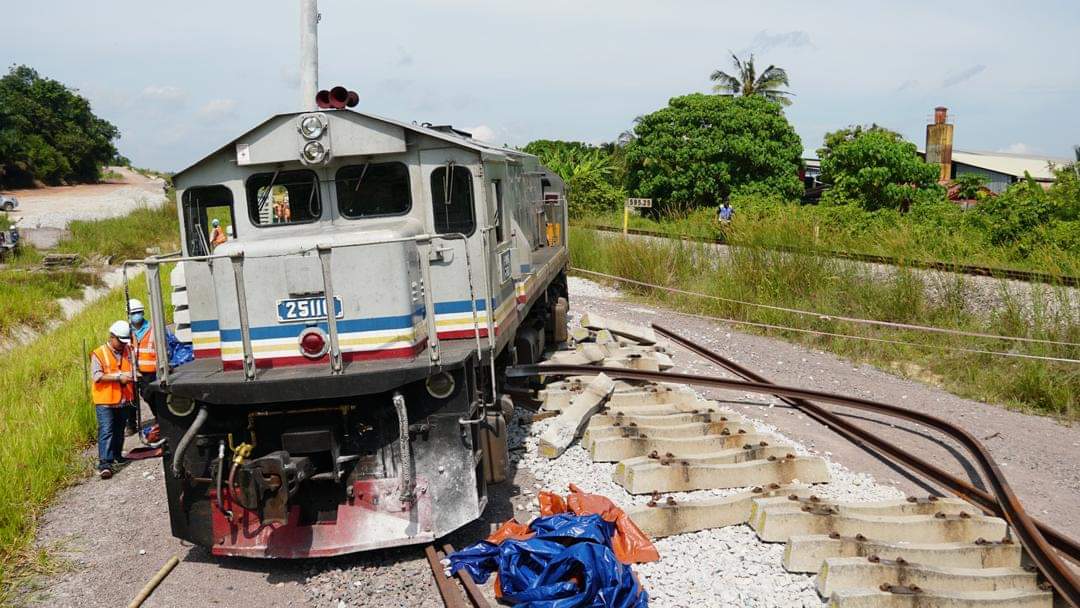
(309, 53)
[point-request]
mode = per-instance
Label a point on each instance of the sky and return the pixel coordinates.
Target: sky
(182, 78)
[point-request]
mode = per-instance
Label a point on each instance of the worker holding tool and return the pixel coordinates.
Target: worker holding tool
(145, 358)
(112, 388)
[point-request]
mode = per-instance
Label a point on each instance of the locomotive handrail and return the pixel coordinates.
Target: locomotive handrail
(157, 304)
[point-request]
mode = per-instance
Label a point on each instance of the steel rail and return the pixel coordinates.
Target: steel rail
(448, 591)
(1044, 557)
(968, 269)
(863, 438)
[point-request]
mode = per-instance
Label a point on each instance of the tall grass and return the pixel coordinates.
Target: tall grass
(758, 273)
(29, 298)
(914, 236)
(46, 418)
(127, 237)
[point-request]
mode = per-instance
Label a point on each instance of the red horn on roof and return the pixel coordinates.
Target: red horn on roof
(338, 97)
(352, 100)
(322, 99)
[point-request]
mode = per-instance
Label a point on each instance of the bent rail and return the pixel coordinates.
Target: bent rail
(1048, 562)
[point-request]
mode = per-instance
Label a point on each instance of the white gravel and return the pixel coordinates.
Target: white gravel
(721, 567)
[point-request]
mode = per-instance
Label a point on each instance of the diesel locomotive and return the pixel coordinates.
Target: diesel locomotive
(353, 287)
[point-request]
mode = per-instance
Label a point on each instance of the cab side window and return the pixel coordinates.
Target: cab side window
(208, 218)
(452, 200)
(283, 197)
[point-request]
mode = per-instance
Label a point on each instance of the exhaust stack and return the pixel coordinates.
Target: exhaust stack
(309, 53)
(939, 141)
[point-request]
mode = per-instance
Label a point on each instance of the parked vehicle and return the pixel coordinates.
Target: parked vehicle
(8, 203)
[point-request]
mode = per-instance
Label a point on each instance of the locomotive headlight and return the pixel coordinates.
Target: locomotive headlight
(314, 152)
(440, 385)
(312, 126)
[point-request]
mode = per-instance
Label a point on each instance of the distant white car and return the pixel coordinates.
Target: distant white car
(8, 203)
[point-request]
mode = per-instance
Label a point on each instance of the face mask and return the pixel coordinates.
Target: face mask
(136, 318)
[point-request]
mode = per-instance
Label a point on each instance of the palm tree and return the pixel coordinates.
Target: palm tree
(747, 82)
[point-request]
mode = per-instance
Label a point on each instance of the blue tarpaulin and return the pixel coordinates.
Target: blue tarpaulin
(569, 563)
(179, 352)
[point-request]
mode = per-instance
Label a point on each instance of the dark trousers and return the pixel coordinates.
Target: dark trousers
(110, 434)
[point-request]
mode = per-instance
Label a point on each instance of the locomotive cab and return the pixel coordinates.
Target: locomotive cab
(353, 287)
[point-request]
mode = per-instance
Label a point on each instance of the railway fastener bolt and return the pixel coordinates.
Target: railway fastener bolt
(757, 489)
(774, 486)
(763, 444)
(912, 499)
(671, 501)
(789, 456)
(860, 538)
(981, 541)
(814, 498)
(1045, 586)
(965, 515)
(771, 458)
(900, 560)
(873, 559)
(940, 515)
(654, 455)
(793, 497)
(834, 535)
(886, 587)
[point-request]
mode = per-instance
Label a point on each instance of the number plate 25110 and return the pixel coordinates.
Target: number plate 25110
(306, 309)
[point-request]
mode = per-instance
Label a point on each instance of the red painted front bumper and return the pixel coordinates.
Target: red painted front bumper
(373, 518)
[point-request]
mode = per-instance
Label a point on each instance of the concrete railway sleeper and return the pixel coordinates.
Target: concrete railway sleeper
(681, 476)
(872, 442)
(778, 523)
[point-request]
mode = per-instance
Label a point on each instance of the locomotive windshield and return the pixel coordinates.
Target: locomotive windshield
(452, 200)
(372, 190)
(202, 205)
(283, 197)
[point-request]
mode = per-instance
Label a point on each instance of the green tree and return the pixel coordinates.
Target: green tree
(701, 148)
(747, 82)
(48, 132)
(969, 185)
(875, 168)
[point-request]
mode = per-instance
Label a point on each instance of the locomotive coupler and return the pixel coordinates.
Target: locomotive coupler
(266, 483)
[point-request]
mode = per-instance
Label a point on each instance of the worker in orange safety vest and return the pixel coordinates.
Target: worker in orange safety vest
(142, 338)
(112, 388)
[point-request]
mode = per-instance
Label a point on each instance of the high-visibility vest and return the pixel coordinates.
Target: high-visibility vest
(146, 355)
(111, 392)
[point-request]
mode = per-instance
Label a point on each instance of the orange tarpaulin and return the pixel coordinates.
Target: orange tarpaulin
(630, 544)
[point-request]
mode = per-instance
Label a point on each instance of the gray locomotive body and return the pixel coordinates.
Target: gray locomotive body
(298, 433)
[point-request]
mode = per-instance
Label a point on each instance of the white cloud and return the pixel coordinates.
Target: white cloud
(483, 133)
(1017, 148)
(764, 41)
(164, 94)
(218, 108)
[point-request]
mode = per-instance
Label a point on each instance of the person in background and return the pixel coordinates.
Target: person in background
(217, 235)
(112, 387)
(724, 213)
(145, 358)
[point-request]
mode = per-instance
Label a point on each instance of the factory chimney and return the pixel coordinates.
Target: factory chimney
(939, 140)
(309, 53)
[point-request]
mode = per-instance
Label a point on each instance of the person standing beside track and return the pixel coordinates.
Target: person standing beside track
(145, 358)
(112, 387)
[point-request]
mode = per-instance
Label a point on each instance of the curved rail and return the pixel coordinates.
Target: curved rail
(1048, 562)
(970, 269)
(859, 436)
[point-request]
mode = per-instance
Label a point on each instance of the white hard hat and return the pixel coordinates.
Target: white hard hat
(121, 330)
(134, 305)
(215, 222)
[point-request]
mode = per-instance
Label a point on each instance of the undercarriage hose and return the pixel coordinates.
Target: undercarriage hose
(185, 441)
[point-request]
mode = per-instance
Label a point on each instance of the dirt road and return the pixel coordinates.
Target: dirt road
(116, 535)
(44, 213)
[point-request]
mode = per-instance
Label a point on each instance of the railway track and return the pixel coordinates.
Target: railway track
(614, 394)
(968, 269)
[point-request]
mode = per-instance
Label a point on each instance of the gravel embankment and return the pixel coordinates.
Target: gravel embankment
(102, 527)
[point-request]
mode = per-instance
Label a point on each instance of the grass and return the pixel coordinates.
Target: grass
(824, 229)
(758, 273)
(28, 294)
(46, 419)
